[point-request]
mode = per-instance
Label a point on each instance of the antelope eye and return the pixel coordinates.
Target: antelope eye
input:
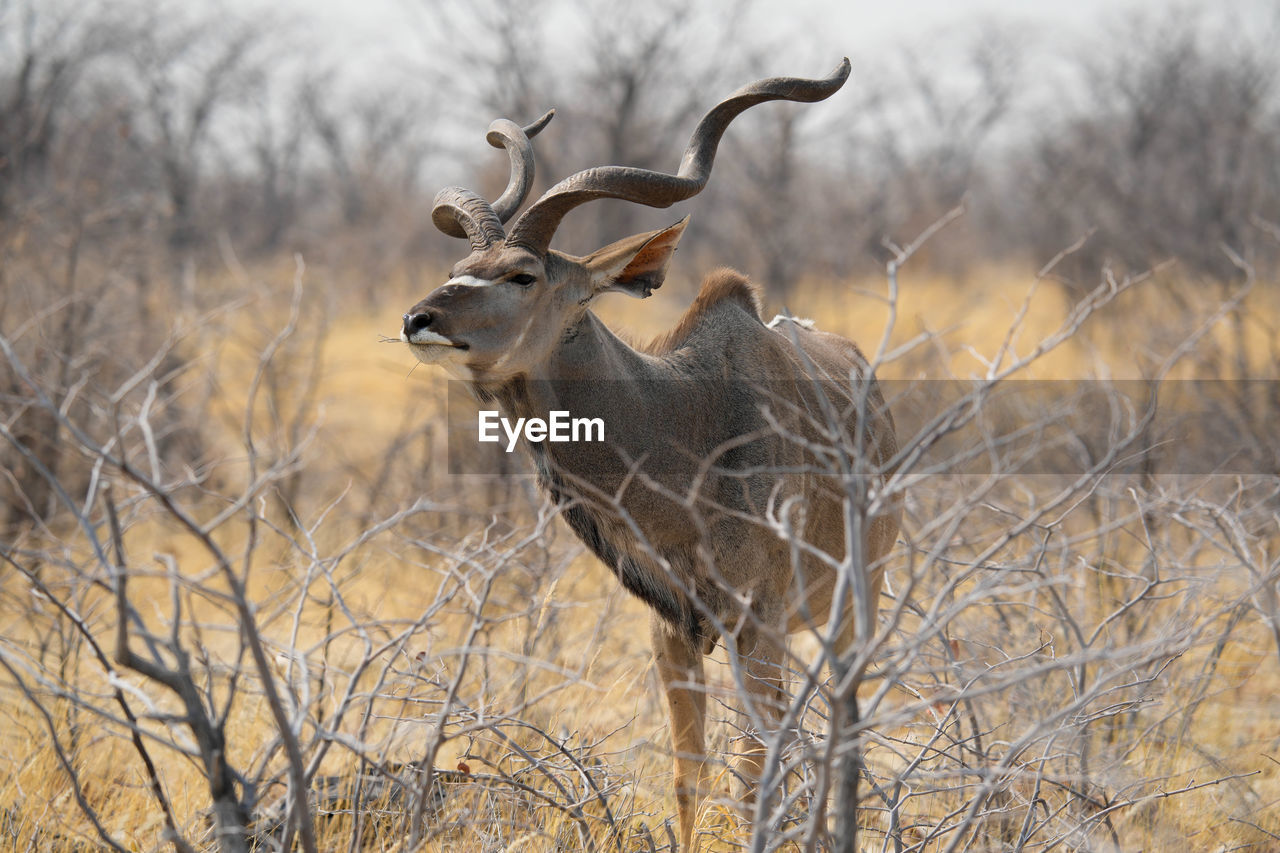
(523, 279)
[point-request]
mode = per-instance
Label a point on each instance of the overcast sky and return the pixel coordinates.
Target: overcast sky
(388, 27)
(381, 35)
(864, 22)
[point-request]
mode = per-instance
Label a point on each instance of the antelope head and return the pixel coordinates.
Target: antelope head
(512, 300)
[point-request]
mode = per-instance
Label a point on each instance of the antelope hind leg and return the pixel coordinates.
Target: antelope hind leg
(761, 659)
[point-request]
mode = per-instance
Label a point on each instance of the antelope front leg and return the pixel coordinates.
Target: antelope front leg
(679, 662)
(761, 659)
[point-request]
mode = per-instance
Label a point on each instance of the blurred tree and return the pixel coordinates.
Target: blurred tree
(917, 142)
(46, 49)
(1172, 152)
(373, 141)
(277, 134)
(187, 67)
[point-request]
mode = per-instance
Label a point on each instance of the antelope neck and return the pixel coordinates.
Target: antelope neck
(591, 366)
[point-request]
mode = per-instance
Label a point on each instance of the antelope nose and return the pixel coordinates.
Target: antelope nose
(416, 322)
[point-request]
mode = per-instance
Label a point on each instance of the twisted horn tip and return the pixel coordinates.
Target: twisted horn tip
(533, 129)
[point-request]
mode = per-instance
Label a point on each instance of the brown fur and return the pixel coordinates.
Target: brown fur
(719, 286)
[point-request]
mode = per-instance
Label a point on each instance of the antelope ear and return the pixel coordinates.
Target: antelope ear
(635, 265)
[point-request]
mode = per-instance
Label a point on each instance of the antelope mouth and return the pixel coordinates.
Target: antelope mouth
(432, 347)
(428, 338)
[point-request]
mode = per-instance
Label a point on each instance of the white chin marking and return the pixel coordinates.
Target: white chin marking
(469, 281)
(430, 347)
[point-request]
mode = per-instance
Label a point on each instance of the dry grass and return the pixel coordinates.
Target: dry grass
(557, 728)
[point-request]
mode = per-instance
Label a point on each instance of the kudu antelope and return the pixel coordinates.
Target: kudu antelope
(721, 435)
